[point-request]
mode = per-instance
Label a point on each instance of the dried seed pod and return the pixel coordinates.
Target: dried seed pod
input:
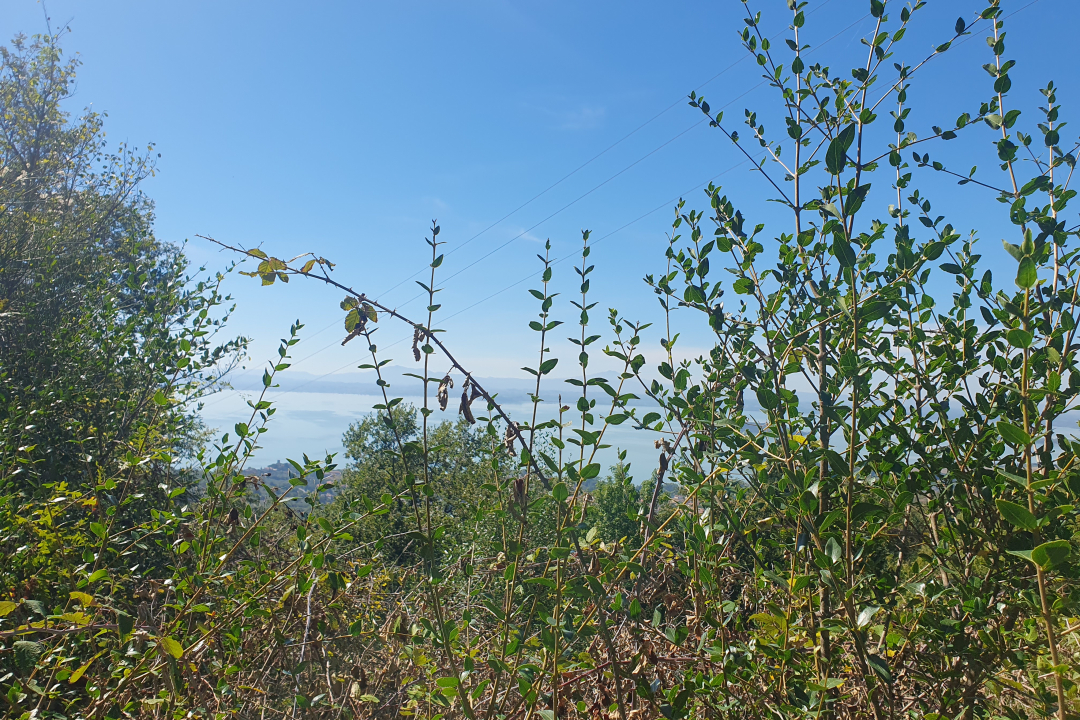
(444, 391)
(663, 464)
(464, 408)
(520, 496)
(234, 517)
(476, 393)
(415, 343)
(511, 435)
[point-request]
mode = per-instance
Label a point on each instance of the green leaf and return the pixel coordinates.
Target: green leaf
(862, 510)
(560, 492)
(98, 574)
(1019, 338)
(1018, 515)
(836, 157)
(767, 398)
(880, 667)
(1013, 250)
(833, 550)
(1012, 434)
(172, 647)
(7, 607)
(124, 624)
(1026, 274)
(590, 471)
(933, 250)
(27, 653)
(866, 616)
(1051, 553)
(160, 399)
(843, 252)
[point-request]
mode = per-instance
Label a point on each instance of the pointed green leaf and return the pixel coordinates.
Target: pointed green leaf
(866, 616)
(1026, 274)
(1013, 250)
(836, 157)
(880, 667)
(1012, 434)
(77, 675)
(124, 624)
(767, 398)
(1018, 515)
(843, 252)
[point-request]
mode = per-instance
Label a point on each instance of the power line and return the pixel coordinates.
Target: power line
(557, 182)
(728, 104)
(589, 162)
(597, 187)
(532, 275)
(617, 230)
(564, 178)
(605, 182)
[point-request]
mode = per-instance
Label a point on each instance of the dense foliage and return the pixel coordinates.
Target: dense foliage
(876, 505)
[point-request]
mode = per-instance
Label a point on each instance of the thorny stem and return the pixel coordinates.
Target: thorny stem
(455, 365)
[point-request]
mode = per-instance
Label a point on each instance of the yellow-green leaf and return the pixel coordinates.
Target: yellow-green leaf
(74, 678)
(84, 599)
(172, 647)
(79, 618)
(7, 607)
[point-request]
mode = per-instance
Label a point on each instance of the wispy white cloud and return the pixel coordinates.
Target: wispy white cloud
(583, 118)
(435, 203)
(565, 114)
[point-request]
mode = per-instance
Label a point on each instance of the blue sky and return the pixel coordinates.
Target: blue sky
(345, 128)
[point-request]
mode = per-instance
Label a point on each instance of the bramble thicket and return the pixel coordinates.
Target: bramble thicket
(864, 499)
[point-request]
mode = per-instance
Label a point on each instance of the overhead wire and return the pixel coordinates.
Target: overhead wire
(638, 219)
(561, 180)
(588, 162)
(617, 230)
